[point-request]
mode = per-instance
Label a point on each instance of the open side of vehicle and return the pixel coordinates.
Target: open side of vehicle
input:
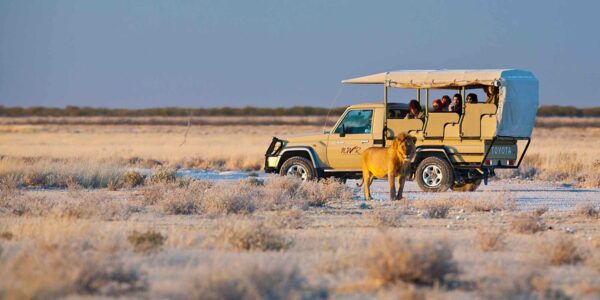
(454, 150)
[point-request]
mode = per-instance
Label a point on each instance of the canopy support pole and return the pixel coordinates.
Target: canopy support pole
(385, 112)
(426, 101)
(462, 92)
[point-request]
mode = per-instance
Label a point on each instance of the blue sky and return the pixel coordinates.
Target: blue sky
(116, 53)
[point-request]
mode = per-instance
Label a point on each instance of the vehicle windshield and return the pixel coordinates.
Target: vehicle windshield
(356, 122)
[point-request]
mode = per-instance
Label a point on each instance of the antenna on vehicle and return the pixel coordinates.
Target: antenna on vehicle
(339, 92)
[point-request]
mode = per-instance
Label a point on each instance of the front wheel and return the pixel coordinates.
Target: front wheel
(299, 167)
(467, 186)
(434, 175)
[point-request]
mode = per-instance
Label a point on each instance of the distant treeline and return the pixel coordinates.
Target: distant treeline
(568, 111)
(76, 111)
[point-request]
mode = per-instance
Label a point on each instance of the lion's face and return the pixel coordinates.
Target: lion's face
(405, 146)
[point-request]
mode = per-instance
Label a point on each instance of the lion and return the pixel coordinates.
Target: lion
(392, 162)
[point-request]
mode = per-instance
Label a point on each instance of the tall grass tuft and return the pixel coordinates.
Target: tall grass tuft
(394, 259)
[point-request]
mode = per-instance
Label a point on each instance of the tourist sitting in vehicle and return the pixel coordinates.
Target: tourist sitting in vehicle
(437, 105)
(456, 105)
(492, 93)
(446, 103)
(414, 110)
(472, 98)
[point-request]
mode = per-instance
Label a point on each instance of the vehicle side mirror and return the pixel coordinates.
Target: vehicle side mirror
(343, 132)
(325, 131)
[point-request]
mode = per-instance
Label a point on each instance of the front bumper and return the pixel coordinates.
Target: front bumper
(272, 155)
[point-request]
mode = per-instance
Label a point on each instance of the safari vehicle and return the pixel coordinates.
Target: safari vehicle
(453, 151)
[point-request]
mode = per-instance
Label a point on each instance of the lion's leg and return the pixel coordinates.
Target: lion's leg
(392, 183)
(367, 184)
(401, 181)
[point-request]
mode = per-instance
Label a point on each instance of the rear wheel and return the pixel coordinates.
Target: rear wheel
(299, 167)
(434, 174)
(467, 186)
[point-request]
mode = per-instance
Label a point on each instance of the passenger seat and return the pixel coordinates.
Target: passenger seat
(471, 123)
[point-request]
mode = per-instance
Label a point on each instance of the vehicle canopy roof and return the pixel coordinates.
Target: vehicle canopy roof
(518, 97)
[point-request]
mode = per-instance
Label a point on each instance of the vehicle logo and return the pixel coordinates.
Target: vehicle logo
(351, 150)
(502, 150)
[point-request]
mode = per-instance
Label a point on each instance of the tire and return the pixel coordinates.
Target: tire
(434, 174)
(468, 186)
(298, 166)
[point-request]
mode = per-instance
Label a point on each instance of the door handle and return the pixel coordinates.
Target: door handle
(365, 141)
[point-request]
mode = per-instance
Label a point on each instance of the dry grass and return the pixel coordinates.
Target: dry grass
(248, 234)
(524, 283)
(526, 223)
(490, 240)
(253, 281)
(587, 210)
(561, 250)
(388, 217)
(74, 242)
(392, 259)
(149, 241)
(435, 209)
(66, 151)
(59, 270)
(243, 197)
(488, 203)
(289, 219)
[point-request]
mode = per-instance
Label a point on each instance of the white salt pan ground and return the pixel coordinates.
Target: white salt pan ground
(528, 194)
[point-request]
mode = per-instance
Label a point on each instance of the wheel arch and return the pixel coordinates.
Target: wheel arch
(425, 152)
(305, 152)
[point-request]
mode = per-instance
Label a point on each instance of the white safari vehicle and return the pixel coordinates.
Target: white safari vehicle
(455, 150)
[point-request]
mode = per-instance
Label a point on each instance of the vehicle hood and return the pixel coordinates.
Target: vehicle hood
(303, 139)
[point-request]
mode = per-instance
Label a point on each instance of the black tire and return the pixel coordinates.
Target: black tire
(467, 186)
(434, 174)
(298, 166)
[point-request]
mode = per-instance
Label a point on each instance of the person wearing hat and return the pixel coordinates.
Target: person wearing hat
(437, 105)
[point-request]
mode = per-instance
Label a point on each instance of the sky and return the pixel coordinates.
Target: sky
(136, 54)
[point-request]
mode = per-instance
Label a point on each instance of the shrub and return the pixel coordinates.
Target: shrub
(562, 250)
(434, 209)
(490, 240)
(253, 281)
(180, 202)
(248, 235)
(290, 219)
(388, 217)
(489, 203)
(21, 204)
(540, 211)
(320, 193)
(224, 198)
(523, 284)
(153, 194)
(94, 204)
(132, 179)
(6, 235)
(148, 241)
(587, 210)
(391, 260)
(163, 175)
(526, 223)
(46, 270)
